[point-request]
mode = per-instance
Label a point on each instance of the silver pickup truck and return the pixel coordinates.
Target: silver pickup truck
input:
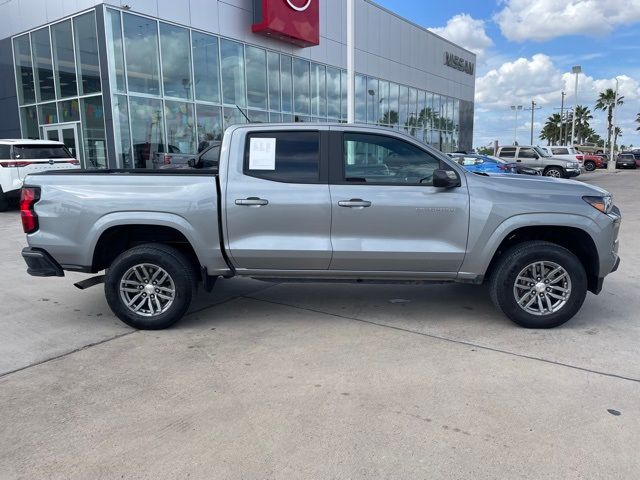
(322, 202)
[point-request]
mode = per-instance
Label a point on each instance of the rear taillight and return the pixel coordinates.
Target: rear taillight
(504, 167)
(579, 158)
(15, 164)
(74, 162)
(28, 198)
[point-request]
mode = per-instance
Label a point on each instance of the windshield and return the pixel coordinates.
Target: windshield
(541, 152)
(40, 152)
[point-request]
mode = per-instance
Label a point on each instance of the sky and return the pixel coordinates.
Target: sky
(525, 50)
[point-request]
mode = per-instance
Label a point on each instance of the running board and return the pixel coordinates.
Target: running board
(89, 282)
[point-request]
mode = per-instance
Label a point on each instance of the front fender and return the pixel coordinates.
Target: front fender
(484, 246)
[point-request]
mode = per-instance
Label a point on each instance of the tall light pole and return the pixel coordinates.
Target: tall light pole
(577, 70)
(351, 67)
(516, 108)
(562, 115)
(533, 109)
(612, 146)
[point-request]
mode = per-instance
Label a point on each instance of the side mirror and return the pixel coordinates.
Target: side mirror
(192, 162)
(445, 179)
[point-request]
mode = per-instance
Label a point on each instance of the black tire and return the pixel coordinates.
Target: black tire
(589, 166)
(512, 263)
(4, 202)
(180, 272)
(556, 172)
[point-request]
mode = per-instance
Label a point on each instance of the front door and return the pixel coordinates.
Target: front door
(387, 216)
(66, 133)
(278, 212)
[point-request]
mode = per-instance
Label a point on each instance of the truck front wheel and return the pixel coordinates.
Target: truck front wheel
(555, 172)
(150, 287)
(539, 284)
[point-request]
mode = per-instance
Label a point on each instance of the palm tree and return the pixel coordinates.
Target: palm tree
(551, 130)
(606, 102)
(583, 115)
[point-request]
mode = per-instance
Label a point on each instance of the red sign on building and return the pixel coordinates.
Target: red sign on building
(293, 21)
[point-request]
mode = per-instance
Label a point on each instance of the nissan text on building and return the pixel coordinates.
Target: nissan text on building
(120, 83)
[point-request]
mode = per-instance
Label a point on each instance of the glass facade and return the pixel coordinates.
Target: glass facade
(175, 89)
(58, 81)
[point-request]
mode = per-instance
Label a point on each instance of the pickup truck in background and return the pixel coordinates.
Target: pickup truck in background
(322, 202)
(535, 157)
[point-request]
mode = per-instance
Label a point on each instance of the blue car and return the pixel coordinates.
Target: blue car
(487, 164)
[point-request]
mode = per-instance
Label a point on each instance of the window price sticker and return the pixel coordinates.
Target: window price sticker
(262, 154)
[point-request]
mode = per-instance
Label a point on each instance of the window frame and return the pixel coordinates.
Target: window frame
(323, 168)
(337, 156)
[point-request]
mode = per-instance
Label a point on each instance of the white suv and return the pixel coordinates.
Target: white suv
(19, 158)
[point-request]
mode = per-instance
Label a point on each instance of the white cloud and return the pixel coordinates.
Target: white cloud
(519, 81)
(541, 20)
(467, 32)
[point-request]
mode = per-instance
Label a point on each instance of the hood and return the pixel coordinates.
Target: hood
(536, 184)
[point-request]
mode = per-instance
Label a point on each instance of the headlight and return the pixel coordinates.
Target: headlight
(604, 204)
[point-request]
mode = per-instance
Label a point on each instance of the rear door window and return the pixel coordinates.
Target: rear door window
(560, 151)
(5, 152)
(290, 157)
(527, 153)
(508, 152)
(40, 152)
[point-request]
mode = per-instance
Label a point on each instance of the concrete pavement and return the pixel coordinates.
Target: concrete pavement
(321, 381)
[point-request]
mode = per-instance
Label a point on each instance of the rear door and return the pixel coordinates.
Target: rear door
(277, 206)
(387, 215)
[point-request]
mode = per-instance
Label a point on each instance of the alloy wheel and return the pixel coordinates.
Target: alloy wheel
(147, 290)
(542, 288)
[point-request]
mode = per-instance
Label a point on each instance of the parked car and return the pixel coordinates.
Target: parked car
(489, 164)
(208, 158)
(589, 147)
(535, 157)
(636, 156)
(19, 158)
(626, 160)
(593, 162)
(564, 152)
(303, 202)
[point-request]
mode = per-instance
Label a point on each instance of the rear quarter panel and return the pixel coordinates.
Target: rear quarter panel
(74, 211)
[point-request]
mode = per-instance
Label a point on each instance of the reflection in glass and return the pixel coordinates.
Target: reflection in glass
(206, 65)
(29, 119)
(121, 133)
(48, 113)
(373, 99)
(141, 46)
(115, 50)
(87, 62)
(273, 64)
(232, 116)
(176, 61)
(69, 111)
(258, 116)
(361, 99)
(24, 69)
(64, 62)
(180, 127)
(95, 149)
(209, 125)
(286, 83)
(301, 86)
(147, 129)
(43, 67)
(256, 77)
(383, 103)
(394, 103)
(233, 81)
(333, 93)
(318, 91)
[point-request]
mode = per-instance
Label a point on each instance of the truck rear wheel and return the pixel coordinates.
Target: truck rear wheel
(539, 284)
(150, 287)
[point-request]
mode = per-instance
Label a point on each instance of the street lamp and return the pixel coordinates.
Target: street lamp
(577, 70)
(516, 108)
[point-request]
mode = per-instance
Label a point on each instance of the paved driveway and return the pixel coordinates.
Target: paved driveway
(320, 381)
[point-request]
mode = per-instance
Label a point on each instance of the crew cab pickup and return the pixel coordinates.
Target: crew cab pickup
(322, 202)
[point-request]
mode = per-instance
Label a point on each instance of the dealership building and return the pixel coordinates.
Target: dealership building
(119, 82)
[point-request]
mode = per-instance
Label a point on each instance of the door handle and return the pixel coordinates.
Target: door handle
(252, 202)
(354, 203)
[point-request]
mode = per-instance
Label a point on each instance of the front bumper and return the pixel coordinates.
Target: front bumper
(571, 172)
(40, 263)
